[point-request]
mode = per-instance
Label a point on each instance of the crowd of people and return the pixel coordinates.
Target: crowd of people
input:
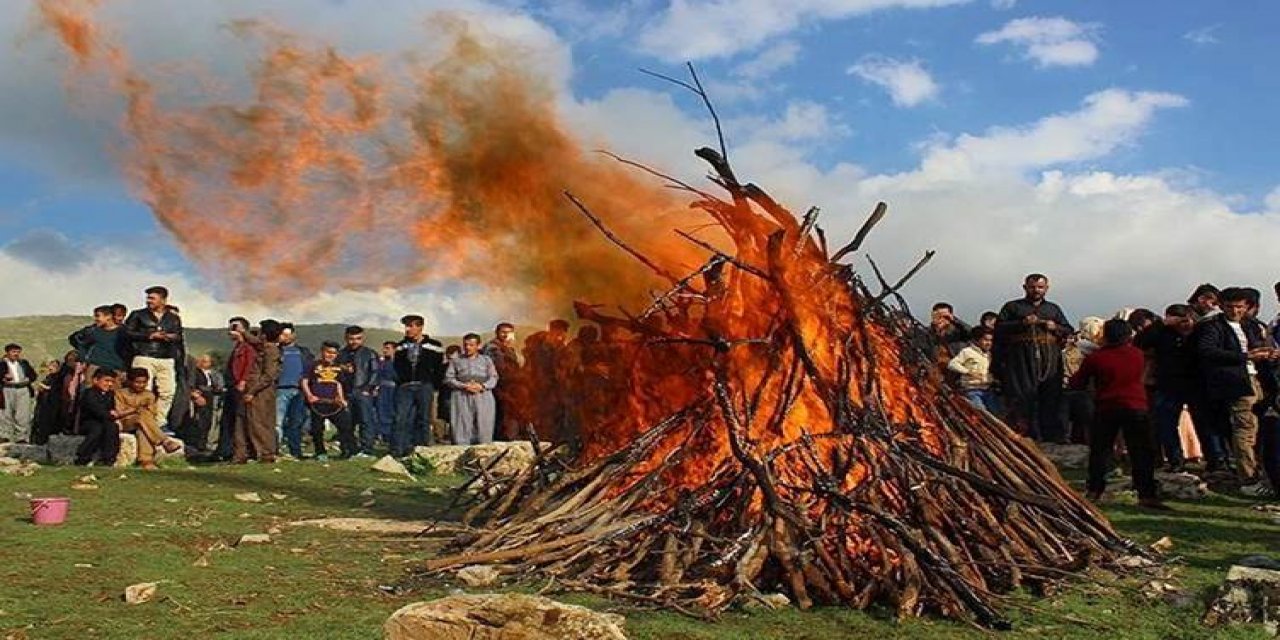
(1197, 387)
(130, 372)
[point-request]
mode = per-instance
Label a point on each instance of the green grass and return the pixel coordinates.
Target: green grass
(318, 584)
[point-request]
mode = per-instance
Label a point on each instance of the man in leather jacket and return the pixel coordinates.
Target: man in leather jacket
(419, 366)
(360, 382)
(155, 339)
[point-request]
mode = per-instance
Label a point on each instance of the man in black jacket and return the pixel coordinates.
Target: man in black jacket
(1231, 348)
(155, 338)
(419, 367)
(360, 382)
(1171, 346)
(97, 406)
(17, 404)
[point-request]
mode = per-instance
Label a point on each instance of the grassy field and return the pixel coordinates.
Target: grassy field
(67, 581)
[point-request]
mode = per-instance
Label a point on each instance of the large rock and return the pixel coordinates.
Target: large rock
(1249, 595)
(128, 455)
(443, 459)
(501, 617)
(62, 448)
(1066, 456)
(37, 453)
(469, 459)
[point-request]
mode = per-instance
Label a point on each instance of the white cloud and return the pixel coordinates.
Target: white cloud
(1203, 36)
(700, 29)
(770, 61)
(1273, 200)
(1050, 42)
(907, 81)
(1107, 120)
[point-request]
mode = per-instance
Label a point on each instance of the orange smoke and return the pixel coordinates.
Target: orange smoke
(362, 172)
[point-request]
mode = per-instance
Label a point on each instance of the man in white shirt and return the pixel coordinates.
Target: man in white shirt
(18, 399)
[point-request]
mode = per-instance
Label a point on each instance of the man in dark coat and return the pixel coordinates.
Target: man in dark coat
(155, 339)
(361, 385)
(419, 366)
(1232, 351)
(1027, 359)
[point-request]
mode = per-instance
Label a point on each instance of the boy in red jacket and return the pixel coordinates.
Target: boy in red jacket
(1117, 372)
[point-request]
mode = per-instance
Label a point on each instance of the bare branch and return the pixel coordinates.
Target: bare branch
(618, 241)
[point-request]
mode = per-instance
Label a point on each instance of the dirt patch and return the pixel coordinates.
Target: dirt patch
(368, 525)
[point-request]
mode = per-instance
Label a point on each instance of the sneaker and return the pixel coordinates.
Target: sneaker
(321, 457)
(1258, 490)
(172, 446)
(363, 456)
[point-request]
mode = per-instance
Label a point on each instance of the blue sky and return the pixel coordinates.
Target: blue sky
(1017, 131)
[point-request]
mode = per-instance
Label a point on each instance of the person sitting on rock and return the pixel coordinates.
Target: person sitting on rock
(136, 412)
(101, 443)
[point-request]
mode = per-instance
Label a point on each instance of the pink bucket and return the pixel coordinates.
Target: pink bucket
(48, 511)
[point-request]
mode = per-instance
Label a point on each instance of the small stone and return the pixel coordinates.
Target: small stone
(279, 496)
(275, 531)
(1163, 545)
(478, 575)
(251, 496)
(1135, 562)
(367, 493)
(766, 601)
(84, 486)
(140, 593)
(254, 538)
(391, 466)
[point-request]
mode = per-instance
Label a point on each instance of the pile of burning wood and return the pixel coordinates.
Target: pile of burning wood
(771, 423)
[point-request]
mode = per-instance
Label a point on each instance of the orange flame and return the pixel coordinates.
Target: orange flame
(363, 172)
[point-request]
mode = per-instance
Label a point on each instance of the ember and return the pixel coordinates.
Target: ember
(771, 423)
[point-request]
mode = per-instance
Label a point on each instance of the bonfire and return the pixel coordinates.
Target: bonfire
(774, 421)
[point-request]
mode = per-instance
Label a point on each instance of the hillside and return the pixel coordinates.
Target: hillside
(45, 337)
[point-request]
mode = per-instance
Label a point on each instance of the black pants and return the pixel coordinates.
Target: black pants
(1039, 409)
(1076, 411)
(341, 420)
(1135, 426)
(101, 443)
(196, 427)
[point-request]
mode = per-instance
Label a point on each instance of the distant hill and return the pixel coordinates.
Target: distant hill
(45, 337)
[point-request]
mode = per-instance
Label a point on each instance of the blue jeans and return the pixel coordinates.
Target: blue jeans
(365, 419)
(386, 410)
(413, 418)
(983, 399)
(1166, 412)
(291, 414)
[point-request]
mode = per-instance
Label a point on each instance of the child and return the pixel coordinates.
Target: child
(1117, 371)
(973, 363)
(135, 411)
(97, 404)
(322, 388)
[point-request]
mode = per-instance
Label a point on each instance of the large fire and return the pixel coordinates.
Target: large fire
(768, 422)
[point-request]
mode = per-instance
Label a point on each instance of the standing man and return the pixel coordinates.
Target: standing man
(1027, 354)
(419, 365)
(502, 351)
(17, 407)
(1231, 350)
(291, 410)
(236, 377)
(155, 339)
(256, 415)
(387, 391)
(360, 385)
(1172, 349)
(206, 386)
